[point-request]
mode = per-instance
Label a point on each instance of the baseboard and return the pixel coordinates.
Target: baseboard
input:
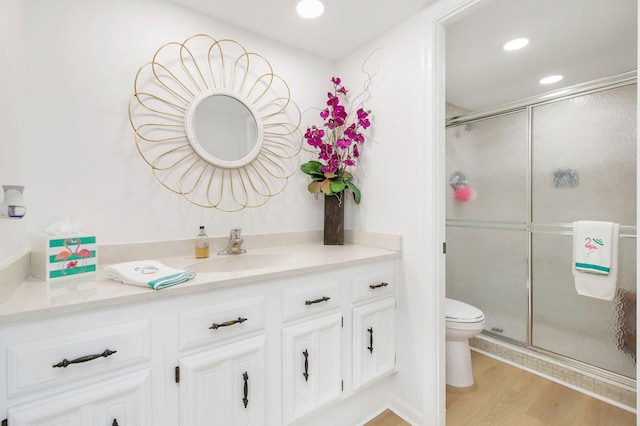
(405, 412)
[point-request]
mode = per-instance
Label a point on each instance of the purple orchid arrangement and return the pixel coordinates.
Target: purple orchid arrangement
(337, 143)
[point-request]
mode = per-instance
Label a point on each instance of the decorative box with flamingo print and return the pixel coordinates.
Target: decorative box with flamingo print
(55, 257)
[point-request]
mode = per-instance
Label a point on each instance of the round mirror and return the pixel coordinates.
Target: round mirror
(215, 123)
(223, 129)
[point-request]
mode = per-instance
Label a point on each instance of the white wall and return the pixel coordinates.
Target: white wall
(81, 60)
(12, 93)
(394, 198)
(78, 158)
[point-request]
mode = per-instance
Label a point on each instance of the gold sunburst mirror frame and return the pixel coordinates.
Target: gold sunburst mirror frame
(215, 123)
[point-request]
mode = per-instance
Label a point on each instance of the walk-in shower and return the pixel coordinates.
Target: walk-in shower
(528, 172)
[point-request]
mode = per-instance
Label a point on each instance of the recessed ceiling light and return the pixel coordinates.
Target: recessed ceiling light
(310, 9)
(551, 79)
(516, 43)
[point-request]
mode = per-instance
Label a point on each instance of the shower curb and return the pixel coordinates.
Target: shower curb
(609, 391)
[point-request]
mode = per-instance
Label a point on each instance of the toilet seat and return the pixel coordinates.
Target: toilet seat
(460, 312)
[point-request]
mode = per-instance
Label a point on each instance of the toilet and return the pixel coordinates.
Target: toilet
(463, 321)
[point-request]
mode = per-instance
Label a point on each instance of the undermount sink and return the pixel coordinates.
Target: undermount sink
(240, 262)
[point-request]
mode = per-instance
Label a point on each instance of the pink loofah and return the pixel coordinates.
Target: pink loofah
(463, 193)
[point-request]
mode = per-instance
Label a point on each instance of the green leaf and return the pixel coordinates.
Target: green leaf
(312, 168)
(318, 178)
(356, 192)
(337, 186)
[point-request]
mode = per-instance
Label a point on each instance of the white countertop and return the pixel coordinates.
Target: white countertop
(35, 298)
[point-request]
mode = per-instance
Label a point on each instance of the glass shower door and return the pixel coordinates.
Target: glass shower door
(487, 235)
(584, 168)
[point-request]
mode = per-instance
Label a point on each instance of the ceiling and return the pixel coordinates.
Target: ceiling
(345, 26)
(581, 39)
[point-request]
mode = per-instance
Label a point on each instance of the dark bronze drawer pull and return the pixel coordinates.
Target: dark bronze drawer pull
(245, 400)
(322, 299)
(215, 326)
(374, 286)
(306, 365)
(115, 423)
(65, 362)
(370, 347)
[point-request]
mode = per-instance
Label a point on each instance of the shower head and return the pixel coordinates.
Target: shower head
(457, 179)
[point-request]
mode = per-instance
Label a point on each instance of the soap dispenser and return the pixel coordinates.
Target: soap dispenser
(202, 244)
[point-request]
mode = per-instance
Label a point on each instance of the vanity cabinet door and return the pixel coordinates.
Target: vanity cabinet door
(311, 365)
(373, 341)
(224, 385)
(124, 401)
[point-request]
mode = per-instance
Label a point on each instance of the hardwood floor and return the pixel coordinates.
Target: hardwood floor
(504, 395)
(387, 418)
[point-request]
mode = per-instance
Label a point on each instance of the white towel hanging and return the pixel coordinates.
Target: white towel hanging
(595, 258)
(592, 246)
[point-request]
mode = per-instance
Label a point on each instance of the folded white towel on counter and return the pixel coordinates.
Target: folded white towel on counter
(592, 246)
(595, 258)
(147, 273)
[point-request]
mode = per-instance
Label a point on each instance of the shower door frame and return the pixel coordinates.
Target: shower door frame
(560, 228)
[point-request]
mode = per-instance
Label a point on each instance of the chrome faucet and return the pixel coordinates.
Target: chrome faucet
(234, 246)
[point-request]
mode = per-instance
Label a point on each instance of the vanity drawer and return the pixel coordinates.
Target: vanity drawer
(55, 360)
(375, 283)
(297, 303)
(219, 322)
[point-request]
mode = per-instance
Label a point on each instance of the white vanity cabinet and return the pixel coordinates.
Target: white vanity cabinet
(374, 349)
(312, 345)
(223, 385)
(373, 343)
(267, 351)
(319, 353)
(117, 402)
(221, 367)
(312, 354)
(77, 370)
